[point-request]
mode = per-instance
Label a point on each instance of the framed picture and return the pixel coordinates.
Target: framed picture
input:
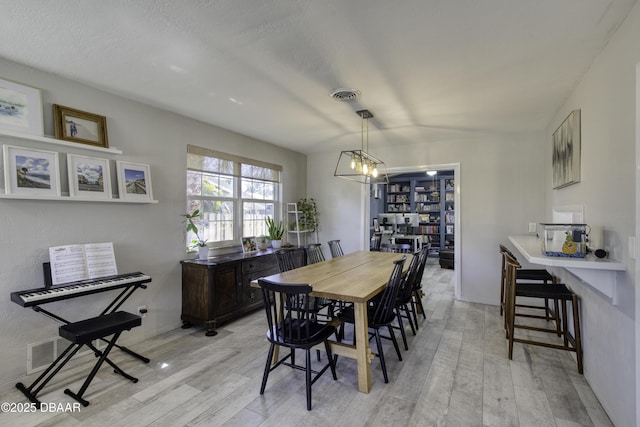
(79, 126)
(89, 177)
(566, 152)
(249, 244)
(134, 181)
(31, 171)
(376, 225)
(20, 108)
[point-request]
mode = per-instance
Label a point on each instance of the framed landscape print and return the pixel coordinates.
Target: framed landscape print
(566, 152)
(20, 108)
(89, 177)
(79, 126)
(134, 181)
(31, 171)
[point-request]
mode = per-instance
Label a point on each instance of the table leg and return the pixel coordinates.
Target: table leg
(362, 347)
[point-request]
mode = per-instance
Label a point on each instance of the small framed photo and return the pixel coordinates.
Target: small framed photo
(134, 181)
(249, 244)
(376, 225)
(20, 108)
(79, 126)
(31, 171)
(89, 177)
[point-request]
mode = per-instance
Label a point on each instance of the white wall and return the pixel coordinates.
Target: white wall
(500, 187)
(606, 98)
(148, 238)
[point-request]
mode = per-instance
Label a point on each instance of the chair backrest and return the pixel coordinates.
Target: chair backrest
(287, 310)
(314, 253)
(335, 248)
(423, 255)
(375, 242)
(511, 267)
(408, 280)
(285, 259)
(384, 307)
(398, 248)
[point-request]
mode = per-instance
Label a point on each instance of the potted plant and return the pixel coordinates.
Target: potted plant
(309, 214)
(198, 242)
(263, 242)
(275, 231)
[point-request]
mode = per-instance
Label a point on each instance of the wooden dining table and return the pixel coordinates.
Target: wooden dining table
(355, 277)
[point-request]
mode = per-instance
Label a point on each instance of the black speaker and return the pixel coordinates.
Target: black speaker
(600, 253)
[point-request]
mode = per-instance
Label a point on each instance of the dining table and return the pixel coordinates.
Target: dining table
(355, 277)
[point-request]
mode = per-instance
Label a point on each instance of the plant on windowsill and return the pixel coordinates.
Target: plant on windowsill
(198, 242)
(275, 231)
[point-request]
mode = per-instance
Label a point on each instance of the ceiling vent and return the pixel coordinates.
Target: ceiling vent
(345, 94)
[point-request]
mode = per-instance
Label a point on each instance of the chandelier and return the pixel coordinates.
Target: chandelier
(359, 165)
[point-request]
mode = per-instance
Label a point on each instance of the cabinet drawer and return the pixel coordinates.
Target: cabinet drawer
(265, 262)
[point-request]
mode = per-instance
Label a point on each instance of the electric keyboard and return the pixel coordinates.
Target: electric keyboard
(32, 297)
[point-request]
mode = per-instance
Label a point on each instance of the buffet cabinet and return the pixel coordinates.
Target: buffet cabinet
(218, 290)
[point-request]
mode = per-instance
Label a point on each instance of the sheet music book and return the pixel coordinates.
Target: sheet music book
(71, 263)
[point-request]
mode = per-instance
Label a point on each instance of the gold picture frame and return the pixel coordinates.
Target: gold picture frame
(79, 126)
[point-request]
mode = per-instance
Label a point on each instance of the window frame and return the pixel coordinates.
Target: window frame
(267, 170)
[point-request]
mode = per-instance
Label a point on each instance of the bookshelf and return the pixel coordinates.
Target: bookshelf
(433, 199)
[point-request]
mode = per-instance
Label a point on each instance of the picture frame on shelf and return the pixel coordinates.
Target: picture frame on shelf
(134, 181)
(249, 244)
(89, 177)
(376, 225)
(79, 126)
(20, 108)
(566, 152)
(29, 171)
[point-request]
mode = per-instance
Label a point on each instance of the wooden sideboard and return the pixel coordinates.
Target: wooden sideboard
(217, 290)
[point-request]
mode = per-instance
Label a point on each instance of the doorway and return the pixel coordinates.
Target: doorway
(408, 200)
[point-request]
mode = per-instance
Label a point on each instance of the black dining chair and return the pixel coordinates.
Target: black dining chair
(294, 328)
(417, 293)
(285, 259)
(314, 253)
(335, 248)
(381, 314)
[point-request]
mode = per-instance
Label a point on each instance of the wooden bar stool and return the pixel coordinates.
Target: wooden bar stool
(529, 276)
(557, 292)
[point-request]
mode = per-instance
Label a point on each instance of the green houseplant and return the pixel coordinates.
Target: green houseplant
(198, 242)
(275, 229)
(308, 220)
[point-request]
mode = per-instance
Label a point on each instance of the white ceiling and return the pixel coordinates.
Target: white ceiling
(427, 69)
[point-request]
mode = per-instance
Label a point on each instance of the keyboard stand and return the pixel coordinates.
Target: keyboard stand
(109, 322)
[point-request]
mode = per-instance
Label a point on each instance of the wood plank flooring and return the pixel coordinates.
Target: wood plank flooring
(456, 373)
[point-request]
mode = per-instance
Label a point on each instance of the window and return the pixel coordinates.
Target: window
(234, 194)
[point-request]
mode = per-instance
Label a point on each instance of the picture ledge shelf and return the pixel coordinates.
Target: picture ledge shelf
(72, 199)
(50, 140)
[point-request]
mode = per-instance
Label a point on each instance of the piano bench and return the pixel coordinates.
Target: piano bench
(99, 327)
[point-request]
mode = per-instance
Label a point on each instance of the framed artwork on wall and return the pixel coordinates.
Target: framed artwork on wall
(134, 181)
(31, 171)
(566, 152)
(79, 126)
(20, 108)
(89, 177)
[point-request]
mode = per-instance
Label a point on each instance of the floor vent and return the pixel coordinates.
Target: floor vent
(43, 353)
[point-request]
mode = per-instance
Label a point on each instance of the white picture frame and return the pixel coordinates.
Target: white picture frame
(89, 177)
(30, 171)
(249, 244)
(134, 181)
(20, 108)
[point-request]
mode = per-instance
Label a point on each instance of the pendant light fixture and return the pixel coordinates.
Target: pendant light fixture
(359, 165)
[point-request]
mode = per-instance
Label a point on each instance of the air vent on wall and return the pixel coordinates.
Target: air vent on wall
(344, 94)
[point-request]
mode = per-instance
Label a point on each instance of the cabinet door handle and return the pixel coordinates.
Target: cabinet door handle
(251, 266)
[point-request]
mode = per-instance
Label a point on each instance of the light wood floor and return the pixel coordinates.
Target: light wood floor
(456, 373)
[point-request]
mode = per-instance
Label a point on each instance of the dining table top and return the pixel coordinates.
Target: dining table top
(354, 277)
